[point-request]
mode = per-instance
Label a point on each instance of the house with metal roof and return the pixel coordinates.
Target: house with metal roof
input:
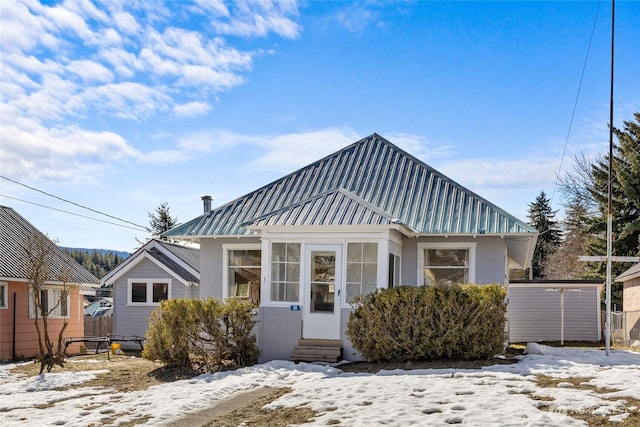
(157, 271)
(18, 336)
(366, 217)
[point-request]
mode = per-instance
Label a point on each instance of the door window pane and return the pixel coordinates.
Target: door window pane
(323, 276)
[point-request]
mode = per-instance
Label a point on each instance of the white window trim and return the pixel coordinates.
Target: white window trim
(225, 263)
(471, 246)
(149, 283)
(52, 315)
(4, 302)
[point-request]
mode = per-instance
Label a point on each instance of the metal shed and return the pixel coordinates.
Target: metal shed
(558, 310)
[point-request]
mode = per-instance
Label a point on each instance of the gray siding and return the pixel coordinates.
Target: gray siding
(211, 265)
(490, 258)
(534, 314)
(133, 320)
(348, 352)
(279, 331)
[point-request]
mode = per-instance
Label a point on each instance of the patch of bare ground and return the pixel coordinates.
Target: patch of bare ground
(631, 406)
(126, 372)
(253, 414)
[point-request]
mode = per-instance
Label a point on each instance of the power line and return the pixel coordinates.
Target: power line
(73, 203)
(73, 213)
(575, 103)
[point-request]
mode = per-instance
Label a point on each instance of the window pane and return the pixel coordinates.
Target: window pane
(353, 291)
(243, 278)
(44, 301)
(323, 266)
(370, 252)
(284, 292)
(64, 307)
(447, 257)
(354, 252)
(2, 296)
(244, 258)
(293, 272)
(160, 291)
(292, 292)
(278, 272)
(138, 292)
(354, 272)
(445, 276)
(370, 273)
(293, 252)
(278, 252)
(322, 297)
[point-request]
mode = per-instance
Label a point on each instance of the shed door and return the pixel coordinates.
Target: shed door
(322, 291)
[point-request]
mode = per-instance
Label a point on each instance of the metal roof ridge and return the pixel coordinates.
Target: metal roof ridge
(338, 189)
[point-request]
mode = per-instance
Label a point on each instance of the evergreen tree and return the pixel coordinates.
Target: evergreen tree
(564, 264)
(161, 220)
(625, 200)
(542, 218)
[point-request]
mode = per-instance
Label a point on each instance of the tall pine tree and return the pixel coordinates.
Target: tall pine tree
(625, 196)
(542, 218)
(161, 220)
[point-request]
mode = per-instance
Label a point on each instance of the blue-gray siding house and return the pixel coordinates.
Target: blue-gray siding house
(368, 216)
(158, 270)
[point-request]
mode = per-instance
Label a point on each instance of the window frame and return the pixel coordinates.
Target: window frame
(57, 312)
(301, 267)
(225, 266)
(4, 297)
(149, 291)
(469, 246)
(362, 263)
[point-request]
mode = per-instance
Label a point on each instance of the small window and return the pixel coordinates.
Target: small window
(4, 295)
(54, 303)
(139, 292)
(394, 270)
(243, 273)
(160, 292)
(447, 264)
(285, 272)
(148, 292)
(362, 269)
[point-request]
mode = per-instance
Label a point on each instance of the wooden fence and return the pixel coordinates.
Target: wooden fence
(98, 326)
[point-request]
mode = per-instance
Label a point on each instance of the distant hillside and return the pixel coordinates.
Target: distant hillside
(97, 261)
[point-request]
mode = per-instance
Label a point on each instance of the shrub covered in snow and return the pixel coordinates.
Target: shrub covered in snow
(203, 333)
(432, 322)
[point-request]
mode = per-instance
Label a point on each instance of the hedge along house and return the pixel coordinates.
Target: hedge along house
(368, 216)
(18, 335)
(157, 271)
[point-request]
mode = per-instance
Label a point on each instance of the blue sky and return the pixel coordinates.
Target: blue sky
(120, 106)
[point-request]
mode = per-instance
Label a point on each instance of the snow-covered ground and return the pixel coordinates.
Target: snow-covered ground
(497, 395)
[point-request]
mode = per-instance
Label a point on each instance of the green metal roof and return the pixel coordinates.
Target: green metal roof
(372, 175)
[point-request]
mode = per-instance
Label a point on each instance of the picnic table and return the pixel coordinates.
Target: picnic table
(107, 340)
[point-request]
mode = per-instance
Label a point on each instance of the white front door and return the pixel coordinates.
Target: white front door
(322, 287)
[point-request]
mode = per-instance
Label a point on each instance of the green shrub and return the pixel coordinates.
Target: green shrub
(433, 322)
(206, 334)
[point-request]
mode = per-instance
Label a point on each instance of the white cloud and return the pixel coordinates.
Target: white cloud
(90, 71)
(251, 19)
(192, 109)
(34, 152)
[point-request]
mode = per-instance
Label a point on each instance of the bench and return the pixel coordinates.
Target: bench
(108, 340)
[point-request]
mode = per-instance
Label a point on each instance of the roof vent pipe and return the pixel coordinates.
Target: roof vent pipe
(206, 201)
